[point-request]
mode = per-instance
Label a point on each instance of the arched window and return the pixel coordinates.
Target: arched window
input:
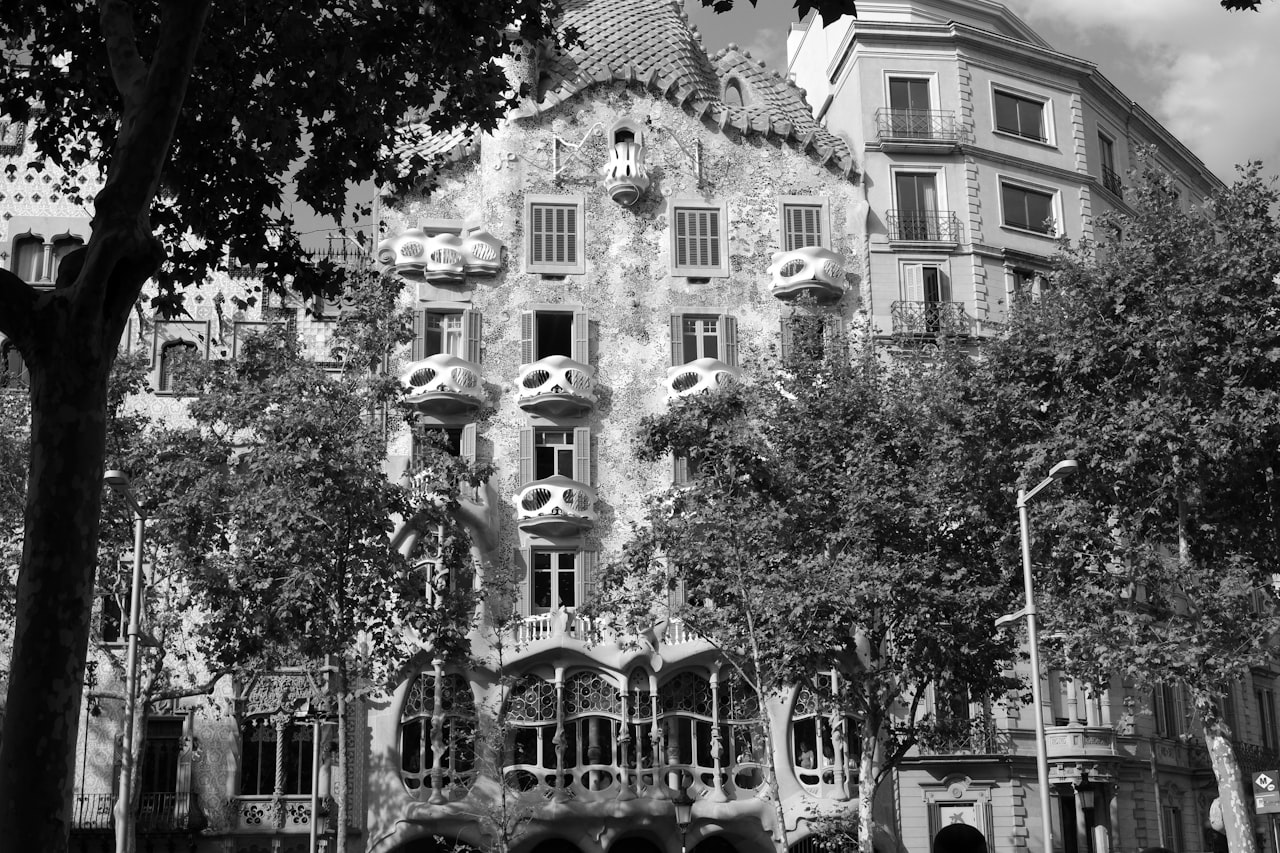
(455, 759)
(733, 94)
(743, 733)
(824, 742)
(170, 354)
(268, 743)
(62, 246)
(13, 370)
(28, 259)
(531, 727)
(593, 719)
(687, 729)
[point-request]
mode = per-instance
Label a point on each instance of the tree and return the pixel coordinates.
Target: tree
(834, 520)
(1241, 5)
(195, 114)
(1154, 359)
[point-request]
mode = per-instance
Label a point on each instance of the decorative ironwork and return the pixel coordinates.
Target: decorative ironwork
(590, 693)
(959, 736)
(929, 318)
(1111, 181)
(919, 126)
(532, 700)
(688, 692)
(924, 226)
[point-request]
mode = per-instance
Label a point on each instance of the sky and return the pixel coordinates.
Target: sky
(1208, 75)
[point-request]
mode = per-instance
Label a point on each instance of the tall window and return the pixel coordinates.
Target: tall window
(28, 259)
(270, 742)
(158, 772)
(803, 225)
(1268, 732)
(555, 237)
(13, 370)
(695, 336)
(456, 755)
(170, 355)
(909, 106)
(699, 240)
(1028, 209)
(554, 580)
(917, 213)
(1020, 115)
(447, 331)
(553, 453)
(531, 715)
(1168, 711)
(1107, 161)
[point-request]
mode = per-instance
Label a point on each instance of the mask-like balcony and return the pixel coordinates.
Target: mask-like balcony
(810, 271)
(443, 385)
(929, 319)
(557, 386)
(703, 374)
(442, 258)
(625, 176)
(555, 506)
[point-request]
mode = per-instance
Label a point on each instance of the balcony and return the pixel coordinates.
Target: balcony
(557, 386)
(156, 813)
(976, 736)
(443, 258)
(443, 385)
(291, 813)
(625, 176)
(929, 319)
(555, 506)
(1111, 181)
(1079, 741)
(810, 271)
(703, 374)
(918, 130)
(928, 226)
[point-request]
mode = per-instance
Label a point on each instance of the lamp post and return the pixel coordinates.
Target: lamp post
(1062, 470)
(684, 814)
(119, 481)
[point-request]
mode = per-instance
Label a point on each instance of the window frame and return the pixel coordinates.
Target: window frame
(929, 78)
(472, 329)
(1046, 114)
(788, 202)
(580, 345)
(550, 268)
(527, 466)
(726, 335)
(1055, 206)
(584, 570)
(721, 209)
(943, 283)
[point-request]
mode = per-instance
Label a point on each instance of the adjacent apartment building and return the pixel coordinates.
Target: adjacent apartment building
(649, 224)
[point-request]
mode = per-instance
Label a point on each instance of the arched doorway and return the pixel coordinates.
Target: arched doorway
(959, 838)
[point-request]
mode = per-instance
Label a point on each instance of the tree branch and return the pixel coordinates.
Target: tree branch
(17, 304)
(128, 71)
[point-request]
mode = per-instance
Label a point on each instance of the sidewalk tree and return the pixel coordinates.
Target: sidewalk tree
(1153, 358)
(833, 520)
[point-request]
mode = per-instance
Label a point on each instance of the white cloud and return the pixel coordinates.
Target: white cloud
(1207, 74)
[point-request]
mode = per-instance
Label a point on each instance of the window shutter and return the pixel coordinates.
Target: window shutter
(710, 228)
(419, 348)
(582, 454)
(803, 225)
(682, 238)
(467, 443)
(729, 339)
(526, 337)
(679, 470)
(471, 329)
(537, 233)
(913, 282)
(525, 469)
(523, 559)
(586, 576)
(581, 337)
(569, 237)
(786, 342)
(677, 339)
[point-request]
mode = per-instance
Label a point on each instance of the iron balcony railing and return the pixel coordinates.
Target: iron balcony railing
(1111, 181)
(919, 125)
(156, 812)
(929, 318)
(977, 736)
(932, 226)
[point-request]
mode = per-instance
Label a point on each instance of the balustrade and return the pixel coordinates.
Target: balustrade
(557, 386)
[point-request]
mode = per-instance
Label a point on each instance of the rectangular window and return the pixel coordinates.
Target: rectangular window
(1167, 708)
(909, 94)
(1021, 116)
(1028, 209)
(695, 336)
(555, 451)
(804, 337)
(158, 771)
(1025, 288)
(1173, 828)
(555, 235)
(924, 282)
(112, 627)
(699, 240)
(803, 221)
(559, 330)
(13, 370)
(1267, 729)
(1107, 164)
(446, 330)
(555, 580)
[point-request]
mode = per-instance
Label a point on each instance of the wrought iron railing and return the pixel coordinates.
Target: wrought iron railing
(919, 125)
(156, 812)
(933, 226)
(977, 736)
(929, 318)
(1111, 181)
(1255, 758)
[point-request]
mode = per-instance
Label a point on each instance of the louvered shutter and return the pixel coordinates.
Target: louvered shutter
(471, 335)
(677, 339)
(537, 234)
(525, 470)
(581, 337)
(567, 236)
(682, 238)
(679, 470)
(803, 226)
(697, 232)
(582, 454)
(523, 560)
(913, 282)
(729, 339)
(419, 347)
(586, 576)
(526, 337)
(467, 443)
(786, 340)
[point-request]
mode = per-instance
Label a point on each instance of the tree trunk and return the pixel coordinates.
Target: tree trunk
(1236, 814)
(343, 770)
(867, 770)
(70, 361)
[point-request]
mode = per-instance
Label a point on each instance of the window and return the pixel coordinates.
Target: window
(1020, 115)
(555, 451)
(1167, 709)
(171, 354)
(270, 742)
(1028, 209)
(36, 262)
(13, 370)
(824, 764)
(429, 440)
(111, 628)
(555, 580)
(924, 282)
(804, 337)
(909, 109)
(446, 330)
(558, 330)
(919, 215)
(555, 241)
(700, 240)
(1172, 821)
(695, 336)
(1024, 287)
(1107, 162)
(733, 94)
(456, 750)
(1267, 730)
(161, 748)
(803, 221)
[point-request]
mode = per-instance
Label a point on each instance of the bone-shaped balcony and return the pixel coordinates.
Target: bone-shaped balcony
(625, 176)
(811, 271)
(555, 506)
(442, 258)
(703, 374)
(557, 386)
(443, 385)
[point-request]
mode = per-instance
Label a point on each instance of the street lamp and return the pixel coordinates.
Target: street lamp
(684, 813)
(1062, 470)
(119, 481)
